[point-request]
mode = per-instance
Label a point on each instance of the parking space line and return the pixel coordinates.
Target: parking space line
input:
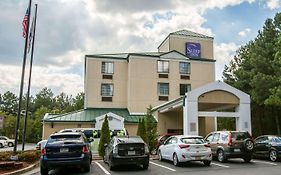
(258, 161)
(171, 169)
(104, 170)
(225, 166)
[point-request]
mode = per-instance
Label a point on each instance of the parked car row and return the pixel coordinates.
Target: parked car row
(5, 141)
(222, 144)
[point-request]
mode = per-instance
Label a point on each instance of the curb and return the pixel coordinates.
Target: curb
(24, 170)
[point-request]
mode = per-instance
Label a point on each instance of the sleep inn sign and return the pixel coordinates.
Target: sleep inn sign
(193, 50)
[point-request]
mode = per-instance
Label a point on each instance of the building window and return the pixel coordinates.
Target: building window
(106, 89)
(163, 89)
(184, 88)
(184, 68)
(107, 67)
(163, 66)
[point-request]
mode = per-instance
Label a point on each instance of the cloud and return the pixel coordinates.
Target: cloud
(53, 78)
(223, 53)
(273, 4)
(244, 32)
(67, 30)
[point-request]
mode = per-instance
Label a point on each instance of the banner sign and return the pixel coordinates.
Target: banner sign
(193, 50)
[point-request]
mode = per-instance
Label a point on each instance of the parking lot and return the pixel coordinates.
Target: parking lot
(156, 167)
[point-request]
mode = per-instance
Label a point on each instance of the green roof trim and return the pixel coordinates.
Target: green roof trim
(90, 115)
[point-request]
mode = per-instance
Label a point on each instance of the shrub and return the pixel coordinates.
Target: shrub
(105, 136)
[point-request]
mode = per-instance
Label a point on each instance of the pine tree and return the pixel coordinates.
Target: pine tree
(141, 130)
(151, 129)
(105, 136)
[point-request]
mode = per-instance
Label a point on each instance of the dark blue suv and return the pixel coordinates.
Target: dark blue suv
(66, 150)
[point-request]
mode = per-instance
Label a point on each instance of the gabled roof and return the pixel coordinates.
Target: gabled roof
(90, 115)
(190, 33)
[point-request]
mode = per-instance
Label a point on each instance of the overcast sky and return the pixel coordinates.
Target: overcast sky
(69, 29)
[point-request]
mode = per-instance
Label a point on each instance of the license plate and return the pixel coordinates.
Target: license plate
(131, 153)
(236, 150)
(64, 150)
(197, 158)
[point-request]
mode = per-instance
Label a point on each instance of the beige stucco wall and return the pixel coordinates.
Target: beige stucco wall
(165, 46)
(93, 81)
(206, 125)
(48, 130)
(169, 120)
(218, 97)
(143, 81)
(178, 43)
(132, 129)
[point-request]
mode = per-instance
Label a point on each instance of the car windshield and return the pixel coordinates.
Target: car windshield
(63, 138)
(193, 140)
(276, 139)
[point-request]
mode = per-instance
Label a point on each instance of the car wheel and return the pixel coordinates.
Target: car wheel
(145, 166)
(175, 160)
(160, 156)
(1, 145)
(249, 145)
(273, 155)
(10, 144)
(44, 171)
(221, 156)
(207, 162)
(247, 158)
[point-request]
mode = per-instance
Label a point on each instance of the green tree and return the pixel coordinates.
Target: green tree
(255, 70)
(45, 98)
(9, 103)
(151, 129)
(141, 130)
(78, 102)
(105, 136)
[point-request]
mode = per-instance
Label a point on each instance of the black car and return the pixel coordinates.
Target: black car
(70, 149)
(126, 150)
(231, 144)
(268, 146)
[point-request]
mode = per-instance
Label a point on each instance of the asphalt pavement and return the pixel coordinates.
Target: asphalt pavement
(27, 146)
(156, 167)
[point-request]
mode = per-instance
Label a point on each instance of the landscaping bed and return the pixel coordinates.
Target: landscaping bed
(25, 159)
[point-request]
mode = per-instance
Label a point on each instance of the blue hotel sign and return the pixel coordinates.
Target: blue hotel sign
(193, 50)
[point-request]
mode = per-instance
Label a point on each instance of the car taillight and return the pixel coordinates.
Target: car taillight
(206, 145)
(183, 146)
(230, 139)
(85, 149)
(43, 152)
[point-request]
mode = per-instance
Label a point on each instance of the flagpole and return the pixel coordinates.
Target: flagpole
(22, 81)
(29, 79)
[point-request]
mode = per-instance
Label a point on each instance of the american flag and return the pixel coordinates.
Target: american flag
(24, 24)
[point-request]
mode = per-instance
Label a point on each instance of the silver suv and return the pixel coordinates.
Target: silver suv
(231, 144)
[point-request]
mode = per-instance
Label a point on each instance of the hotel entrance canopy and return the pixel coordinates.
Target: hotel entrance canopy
(213, 100)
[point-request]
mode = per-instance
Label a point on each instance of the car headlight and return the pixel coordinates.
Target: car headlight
(115, 150)
(146, 150)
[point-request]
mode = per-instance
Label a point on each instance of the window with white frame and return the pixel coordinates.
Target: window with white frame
(184, 68)
(184, 88)
(107, 67)
(163, 66)
(106, 89)
(163, 89)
